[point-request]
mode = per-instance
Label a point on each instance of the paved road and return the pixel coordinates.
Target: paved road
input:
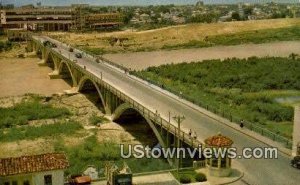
(257, 171)
(142, 60)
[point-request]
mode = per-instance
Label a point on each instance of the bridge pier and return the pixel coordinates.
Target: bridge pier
(73, 90)
(30, 47)
(54, 75)
(42, 63)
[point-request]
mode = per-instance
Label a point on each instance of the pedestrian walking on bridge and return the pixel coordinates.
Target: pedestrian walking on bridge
(242, 123)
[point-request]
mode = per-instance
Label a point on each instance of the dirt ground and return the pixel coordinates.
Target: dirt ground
(20, 76)
(23, 75)
(155, 39)
(142, 60)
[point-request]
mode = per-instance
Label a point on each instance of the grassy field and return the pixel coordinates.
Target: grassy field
(26, 111)
(184, 36)
(255, 37)
(42, 131)
(92, 152)
(246, 89)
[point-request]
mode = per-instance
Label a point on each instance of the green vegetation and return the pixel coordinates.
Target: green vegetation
(185, 179)
(200, 177)
(5, 46)
(236, 88)
(25, 111)
(95, 120)
(256, 37)
(185, 176)
(33, 132)
(91, 152)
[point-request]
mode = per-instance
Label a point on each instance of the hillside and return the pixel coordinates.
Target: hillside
(184, 36)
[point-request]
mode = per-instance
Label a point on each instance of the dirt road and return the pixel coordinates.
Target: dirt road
(142, 60)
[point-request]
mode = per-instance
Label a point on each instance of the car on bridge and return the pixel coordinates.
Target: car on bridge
(296, 162)
(78, 55)
(49, 44)
(46, 43)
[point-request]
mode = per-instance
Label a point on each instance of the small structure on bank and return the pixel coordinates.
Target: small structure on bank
(296, 133)
(116, 176)
(92, 172)
(34, 170)
(218, 166)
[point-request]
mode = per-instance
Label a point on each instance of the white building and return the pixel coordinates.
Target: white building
(45, 169)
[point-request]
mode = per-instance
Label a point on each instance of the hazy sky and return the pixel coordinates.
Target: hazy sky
(132, 2)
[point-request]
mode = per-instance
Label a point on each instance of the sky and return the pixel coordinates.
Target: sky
(133, 2)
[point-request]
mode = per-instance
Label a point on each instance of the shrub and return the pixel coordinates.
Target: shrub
(21, 56)
(273, 112)
(95, 120)
(5, 46)
(200, 177)
(185, 179)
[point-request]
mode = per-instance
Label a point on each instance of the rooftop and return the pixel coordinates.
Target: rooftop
(31, 164)
(218, 141)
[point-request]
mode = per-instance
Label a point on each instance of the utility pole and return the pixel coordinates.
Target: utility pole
(179, 119)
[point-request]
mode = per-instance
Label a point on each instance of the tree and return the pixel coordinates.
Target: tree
(248, 11)
(128, 16)
(236, 16)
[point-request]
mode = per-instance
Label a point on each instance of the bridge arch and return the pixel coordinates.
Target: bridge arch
(126, 106)
(39, 51)
(86, 79)
(51, 60)
(63, 67)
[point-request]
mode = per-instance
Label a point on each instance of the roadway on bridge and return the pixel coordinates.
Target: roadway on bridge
(257, 171)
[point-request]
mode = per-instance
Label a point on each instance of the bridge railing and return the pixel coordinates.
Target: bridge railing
(183, 136)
